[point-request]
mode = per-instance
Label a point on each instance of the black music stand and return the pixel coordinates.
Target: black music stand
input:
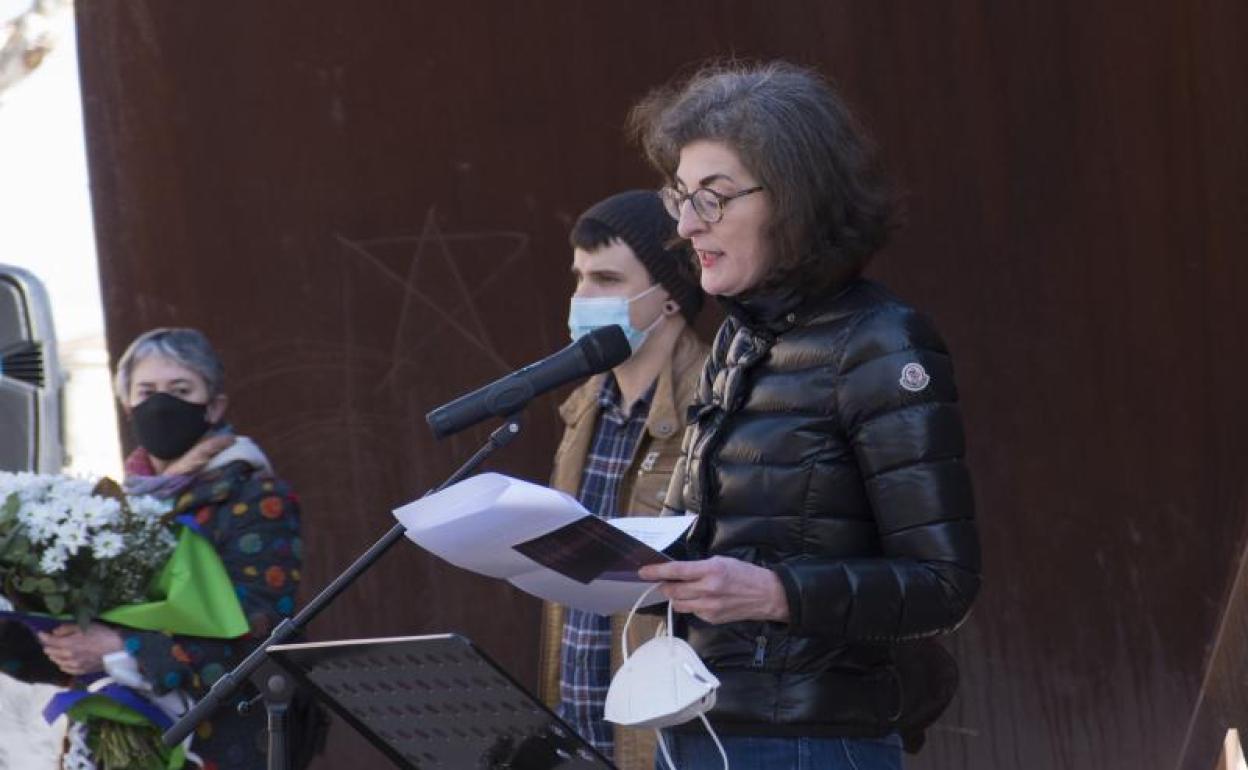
(437, 702)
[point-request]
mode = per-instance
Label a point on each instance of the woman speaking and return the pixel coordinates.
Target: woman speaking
(825, 455)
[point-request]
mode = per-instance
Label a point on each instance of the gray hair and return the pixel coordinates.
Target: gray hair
(186, 347)
(832, 207)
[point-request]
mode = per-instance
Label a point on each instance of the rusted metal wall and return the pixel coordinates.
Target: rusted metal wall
(1223, 698)
(365, 206)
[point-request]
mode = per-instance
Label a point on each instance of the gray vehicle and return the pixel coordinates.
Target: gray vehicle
(31, 382)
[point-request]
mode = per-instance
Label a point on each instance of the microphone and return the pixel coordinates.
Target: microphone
(598, 351)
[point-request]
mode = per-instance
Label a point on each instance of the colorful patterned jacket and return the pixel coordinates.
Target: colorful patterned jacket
(253, 520)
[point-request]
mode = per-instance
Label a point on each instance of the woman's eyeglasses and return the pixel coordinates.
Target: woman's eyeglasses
(707, 203)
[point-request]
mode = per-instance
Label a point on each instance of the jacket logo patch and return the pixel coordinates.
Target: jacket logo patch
(914, 377)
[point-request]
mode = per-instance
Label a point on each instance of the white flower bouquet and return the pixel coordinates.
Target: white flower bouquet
(76, 547)
(81, 550)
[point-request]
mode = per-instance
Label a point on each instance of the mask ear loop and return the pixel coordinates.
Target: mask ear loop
(633, 611)
(663, 315)
(658, 320)
(644, 292)
(722, 753)
(670, 632)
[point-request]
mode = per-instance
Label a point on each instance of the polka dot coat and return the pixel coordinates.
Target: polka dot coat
(253, 520)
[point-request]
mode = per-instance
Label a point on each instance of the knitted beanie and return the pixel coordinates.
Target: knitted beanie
(639, 219)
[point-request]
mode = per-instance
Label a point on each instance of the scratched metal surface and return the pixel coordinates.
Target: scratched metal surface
(365, 205)
(1223, 697)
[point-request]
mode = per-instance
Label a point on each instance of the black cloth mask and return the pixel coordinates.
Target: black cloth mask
(167, 426)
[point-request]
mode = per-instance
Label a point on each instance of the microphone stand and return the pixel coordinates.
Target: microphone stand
(276, 694)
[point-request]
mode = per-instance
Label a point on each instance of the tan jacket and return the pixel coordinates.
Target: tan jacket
(642, 494)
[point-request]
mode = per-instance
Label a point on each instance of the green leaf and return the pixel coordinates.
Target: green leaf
(55, 603)
(14, 539)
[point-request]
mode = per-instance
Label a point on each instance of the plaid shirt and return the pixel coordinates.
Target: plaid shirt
(585, 660)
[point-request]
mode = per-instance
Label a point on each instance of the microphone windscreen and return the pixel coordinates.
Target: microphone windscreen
(606, 348)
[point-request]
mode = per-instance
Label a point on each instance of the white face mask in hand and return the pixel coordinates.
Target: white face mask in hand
(663, 683)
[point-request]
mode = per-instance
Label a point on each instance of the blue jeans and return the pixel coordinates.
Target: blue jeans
(696, 751)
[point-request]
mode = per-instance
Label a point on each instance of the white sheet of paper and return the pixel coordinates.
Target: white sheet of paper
(658, 532)
(601, 596)
(475, 523)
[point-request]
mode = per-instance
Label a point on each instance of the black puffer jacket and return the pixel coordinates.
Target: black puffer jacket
(828, 447)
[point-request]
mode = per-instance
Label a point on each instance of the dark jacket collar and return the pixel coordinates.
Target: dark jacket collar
(777, 310)
(769, 310)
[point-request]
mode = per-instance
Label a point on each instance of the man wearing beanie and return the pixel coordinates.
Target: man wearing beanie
(623, 432)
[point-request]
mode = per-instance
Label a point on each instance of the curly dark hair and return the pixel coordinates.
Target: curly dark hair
(832, 208)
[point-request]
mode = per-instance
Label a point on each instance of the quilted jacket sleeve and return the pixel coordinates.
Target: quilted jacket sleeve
(898, 405)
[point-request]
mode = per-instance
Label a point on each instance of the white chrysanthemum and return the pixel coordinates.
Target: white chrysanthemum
(41, 522)
(53, 561)
(107, 545)
(72, 535)
(41, 530)
(148, 507)
(65, 508)
(31, 496)
(99, 512)
(29, 513)
(21, 482)
(56, 511)
(8, 484)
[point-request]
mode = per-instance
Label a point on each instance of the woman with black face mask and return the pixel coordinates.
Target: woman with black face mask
(170, 384)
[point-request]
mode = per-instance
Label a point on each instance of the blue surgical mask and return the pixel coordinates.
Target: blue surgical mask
(589, 313)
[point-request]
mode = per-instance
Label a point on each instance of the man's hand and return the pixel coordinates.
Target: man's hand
(80, 652)
(721, 589)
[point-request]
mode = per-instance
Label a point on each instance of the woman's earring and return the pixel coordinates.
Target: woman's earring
(671, 308)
